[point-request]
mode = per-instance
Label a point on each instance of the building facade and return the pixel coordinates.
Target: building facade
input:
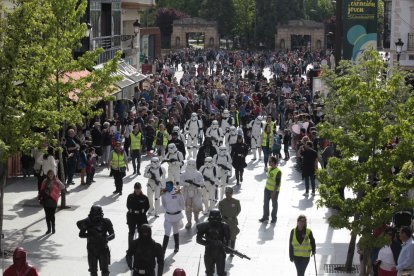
(401, 26)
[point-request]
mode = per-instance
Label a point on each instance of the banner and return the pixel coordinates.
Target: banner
(359, 27)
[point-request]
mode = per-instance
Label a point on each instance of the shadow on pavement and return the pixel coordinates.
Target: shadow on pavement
(118, 267)
(305, 203)
(106, 200)
(26, 207)
(266, 232)
(168, 262)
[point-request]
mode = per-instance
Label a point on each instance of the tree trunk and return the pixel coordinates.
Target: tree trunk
(62, 175)
(366, 268)
(3, 179)
(350, 254)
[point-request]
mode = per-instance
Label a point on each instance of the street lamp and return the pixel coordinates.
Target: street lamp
(88, 29)
(137, 26)
(398, 48)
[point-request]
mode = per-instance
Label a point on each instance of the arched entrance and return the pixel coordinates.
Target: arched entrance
(202, 31)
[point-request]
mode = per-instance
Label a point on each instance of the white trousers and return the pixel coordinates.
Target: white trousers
(153, 193)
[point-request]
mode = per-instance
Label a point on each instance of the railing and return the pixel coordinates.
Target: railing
(410, 44)
(107, 42)
(107, 55)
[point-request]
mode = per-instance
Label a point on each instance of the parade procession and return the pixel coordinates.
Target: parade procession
(217, 138)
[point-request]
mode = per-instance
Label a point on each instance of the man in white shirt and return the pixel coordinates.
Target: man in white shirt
(405, 263)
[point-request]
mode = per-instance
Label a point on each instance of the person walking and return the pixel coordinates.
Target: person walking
(301, 245)
(20, 265)
(309, 166)
(230, 208)
(271, 191)
(238, 155)
(405, 263)
(145, 251)
(137, 205)
(48, 197)
(267, 144)
(388, 255)
(48, 163)
(136, 148)
(118, 164)
(173, 203)
(73, 151)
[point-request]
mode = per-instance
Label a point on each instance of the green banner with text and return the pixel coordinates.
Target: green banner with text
(359, 27)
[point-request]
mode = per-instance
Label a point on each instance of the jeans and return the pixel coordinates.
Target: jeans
(301, 263)
(50, 217)
(267, 198)
(118, 175)
(136, 159)
(71, 169)
(312, 180)
(266, 154)
(105, 153)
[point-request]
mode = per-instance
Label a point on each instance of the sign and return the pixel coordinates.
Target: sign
(359, 27)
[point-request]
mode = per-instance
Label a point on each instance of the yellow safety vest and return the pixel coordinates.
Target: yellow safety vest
(117, 160)
(264, 139)
(271, 179)
(164, 138)
(304, 249)
(136, 141)
(272, 126)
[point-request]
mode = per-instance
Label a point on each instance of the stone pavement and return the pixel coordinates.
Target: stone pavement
(64, 253)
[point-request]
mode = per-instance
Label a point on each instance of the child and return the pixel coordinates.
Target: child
(90, 166)
(277, 145)
(286, 142)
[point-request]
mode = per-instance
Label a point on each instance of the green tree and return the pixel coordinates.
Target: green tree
(244, 18)
(365, 112)
(265, 22)
(38, 39)
(288, 10)
(221, 11)
(318, 10)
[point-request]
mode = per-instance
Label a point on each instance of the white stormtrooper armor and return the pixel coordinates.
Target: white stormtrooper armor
(223, 162)
(256, 125)
(180, 135)
(175, 159)
(231, 138)
(193, 182)
(194, 131)
(210, 174)
(215, 133)
(226, 121)
(156, 181)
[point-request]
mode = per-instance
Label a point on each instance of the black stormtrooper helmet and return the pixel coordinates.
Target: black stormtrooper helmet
(214, 216)
(145, 232)
(96, 213)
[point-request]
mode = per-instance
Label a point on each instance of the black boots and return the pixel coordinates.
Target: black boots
(48, 227)
(176, 242)
(165, 243)
(53, 227)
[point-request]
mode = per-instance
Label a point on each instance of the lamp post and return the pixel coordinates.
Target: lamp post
(398, 48)
(137, 26)
(88, 36)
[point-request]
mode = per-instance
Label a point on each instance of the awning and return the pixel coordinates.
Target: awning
(130, 72)
(124, 82)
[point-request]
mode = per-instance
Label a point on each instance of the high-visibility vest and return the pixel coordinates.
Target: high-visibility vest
(135, 141)
(265, 137)
(164, 138)
(271, 179)
(304, 249)
(117, 160)
(272, 126)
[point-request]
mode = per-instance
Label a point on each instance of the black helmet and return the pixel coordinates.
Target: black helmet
(214, 215)
(96, 212)
(145, 232)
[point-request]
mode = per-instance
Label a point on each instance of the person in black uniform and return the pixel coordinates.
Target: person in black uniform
(137, 205)
(206, 150)
(214, 235)
(98, 231)
(178, 143)
(238, 155)
(145, 251)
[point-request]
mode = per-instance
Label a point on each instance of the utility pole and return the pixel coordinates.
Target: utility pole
(338, 32)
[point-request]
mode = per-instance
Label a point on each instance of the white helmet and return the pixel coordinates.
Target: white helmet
(155, 162)
(258, 120)
(172, 148)
(208, 162)
(222, 151)
(191, 166)
(225, 114)
(176, 129)
(194, 116)
(215, 124)
(232, 130)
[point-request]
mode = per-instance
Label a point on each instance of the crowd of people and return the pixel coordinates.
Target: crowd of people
(203, 126)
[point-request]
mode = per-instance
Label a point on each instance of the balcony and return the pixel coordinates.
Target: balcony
(134, 4)
(410, 44)
(107, 42)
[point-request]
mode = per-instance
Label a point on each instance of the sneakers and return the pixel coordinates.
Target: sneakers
(313, 193)
(306, 194)
(273, 221)
(115, 192)
(188, 225)
(263, 220)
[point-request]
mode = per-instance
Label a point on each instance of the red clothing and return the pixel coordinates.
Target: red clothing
(382, 272)
(54, 193)
(26, 271)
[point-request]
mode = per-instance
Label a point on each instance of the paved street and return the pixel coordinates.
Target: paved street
(64, 253)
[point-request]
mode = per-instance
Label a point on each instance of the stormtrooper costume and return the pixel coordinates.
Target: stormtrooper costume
(194, 130)
(174, 158)
(231, 138)
(226, 122)
(173, 203)
(193, 182)
(215, 133)
(223, 162)
(256, 125)
(156, 181)
(180, 137)
(210, 174)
